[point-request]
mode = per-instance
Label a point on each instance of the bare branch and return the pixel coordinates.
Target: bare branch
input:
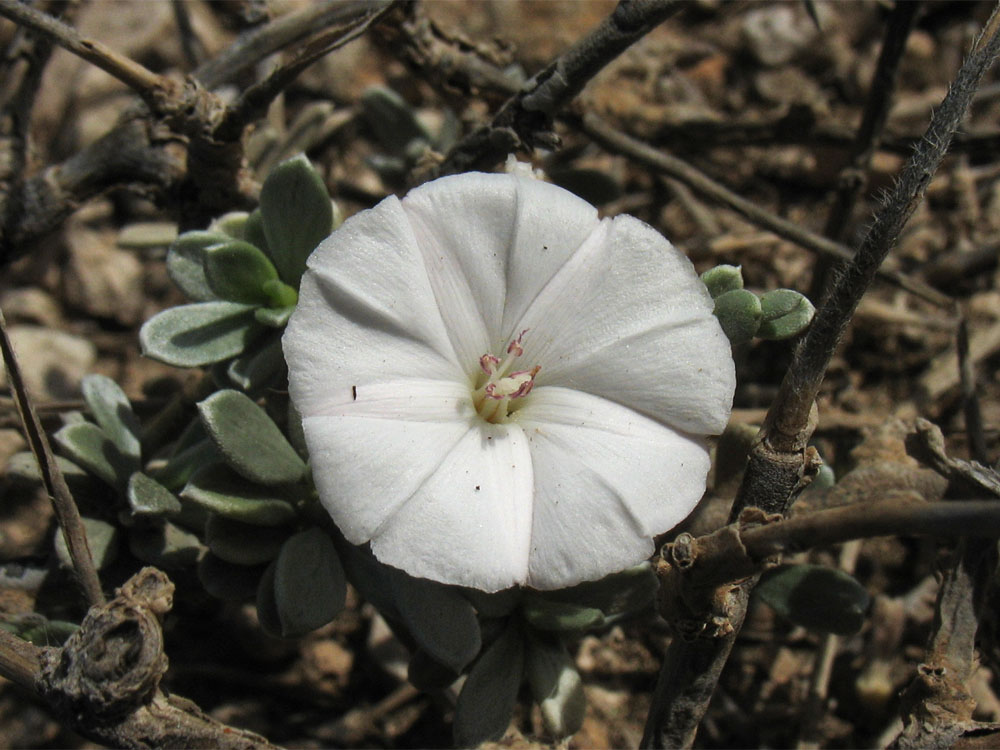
(525, 120)
(618, 142)
(62, 500)
(143, 81)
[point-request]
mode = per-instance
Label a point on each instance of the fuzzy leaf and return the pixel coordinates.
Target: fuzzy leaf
(165, 545)
(439, 618)
(722, 279)
(232, 224)
(227, 581)
(113, 413)
(545, 614)
(102, 538)
(88, 446)
(392, 120)
(147, 497)
(786, 313)
(295, 207)
(818, 598)
(556, 686)
(273, 317)
(186, 263)
(310, 587)
(243, 543)
(218, 489)
(250, 442)
(258, 367)
(487, 700)
(739, 314)
(237, 271)
(199, 334)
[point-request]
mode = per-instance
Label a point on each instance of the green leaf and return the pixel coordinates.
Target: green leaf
(552, 615)
(237, 271)
(722, 279)
(232, 224)
(253, 232)
(310, 588)
(786, 313)
(39, 630)
(148, 498)
(488, 697)
(392, 120)
(243, 543)
(372, 579)
(821, 599)
(113, 413)
(181, 465)
(427, 674)
(258, 367)
(295, 207)
(279, 295)
(739, 314)
(440, 619)
(250, 442)
(87, 445)
(186, 263)
(102, 538)
(218, 489)
(273, 317)
(556, 686)
(267, 607)
(625, 592)
(165, 545)
(199, 334)
(227, 581)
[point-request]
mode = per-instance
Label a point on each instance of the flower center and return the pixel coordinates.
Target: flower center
(494, 396)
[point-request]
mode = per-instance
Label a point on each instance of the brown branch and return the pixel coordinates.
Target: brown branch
(55, 484)
(525, 120)
(618, 142)
(779, 463)
(143, 81)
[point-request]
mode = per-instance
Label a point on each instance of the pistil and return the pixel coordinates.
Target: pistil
(493, 397)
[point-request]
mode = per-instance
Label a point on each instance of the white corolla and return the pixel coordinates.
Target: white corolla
(498, 388)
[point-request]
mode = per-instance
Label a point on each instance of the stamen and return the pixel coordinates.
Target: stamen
(493, 398)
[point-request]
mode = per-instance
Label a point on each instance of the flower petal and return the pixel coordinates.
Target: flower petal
(372, 454)
(366, 313)
(607, 480)
(469, 523)
(628, 319)
(491, 242)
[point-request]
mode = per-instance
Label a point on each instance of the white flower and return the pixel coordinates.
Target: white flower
(499, 388)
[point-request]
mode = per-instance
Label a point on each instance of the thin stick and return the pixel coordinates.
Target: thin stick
(55, 484)
(144, 81)
(19, 661)
(618, 142)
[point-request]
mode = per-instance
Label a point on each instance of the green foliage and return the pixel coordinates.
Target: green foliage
(186, 263)
(722, 279)
(309, 586)
(199, 334)
(148, 498)
(237, 271)
(555, 685)
(243, 543)
(249, 441)
(776, 315)
(785, 313)
(818, 598)
(218, 489)
(739, 314)
(166, 545)
(102, 538)
(88, 446)
(113, 413)
(487, 700)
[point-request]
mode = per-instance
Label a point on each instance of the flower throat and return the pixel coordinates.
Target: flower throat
(494, 397)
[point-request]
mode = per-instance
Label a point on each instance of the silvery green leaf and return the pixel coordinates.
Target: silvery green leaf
(258, 367)
(546, 614)
(218, 489)
(180, 466)
(309, 583)
(295, 207)
(227, 581)
(722, 279)
(165, 545)
(232, 224)
(149, 498)
(87, 446)
(556, 686)
(237, 271)
(372, 579)
(427, 674)
(391, 119)
(279, 294)
(739, 314)
(439, 618)
(243, 543)
(818, 598)
(185, 263)
(113, 413)
(489, 695)
(626, 592)
(250, 442)
(785, 313)
(199, 334)
(273, 317)
(253, 232)
(102, 538)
